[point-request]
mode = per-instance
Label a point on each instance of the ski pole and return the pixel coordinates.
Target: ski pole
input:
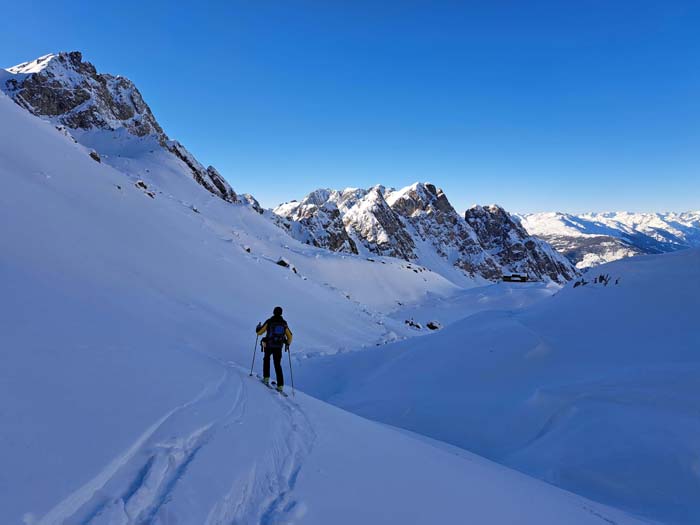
(254, 352)
(291, 373)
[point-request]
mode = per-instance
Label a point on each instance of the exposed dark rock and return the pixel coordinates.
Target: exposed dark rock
(413, 324)
(144, 187)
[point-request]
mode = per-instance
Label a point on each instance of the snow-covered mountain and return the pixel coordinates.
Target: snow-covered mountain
(418, 224)
(595, 238)
(104, 112)
(128, 309)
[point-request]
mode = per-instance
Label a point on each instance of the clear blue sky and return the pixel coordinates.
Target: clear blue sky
(573, 106)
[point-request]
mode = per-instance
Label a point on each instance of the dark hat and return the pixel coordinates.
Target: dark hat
(277, 310)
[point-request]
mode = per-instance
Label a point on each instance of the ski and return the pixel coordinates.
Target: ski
(280, 391)
(271, 385)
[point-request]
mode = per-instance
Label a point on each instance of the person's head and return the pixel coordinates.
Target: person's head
(277, 311)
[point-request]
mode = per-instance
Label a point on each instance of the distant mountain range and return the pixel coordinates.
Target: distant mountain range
(591, 239)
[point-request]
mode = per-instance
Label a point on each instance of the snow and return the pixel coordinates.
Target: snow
(33, 66)
(128, 329)
(595, 389)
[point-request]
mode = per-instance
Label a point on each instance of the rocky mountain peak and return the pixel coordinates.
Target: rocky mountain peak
(70, 92)
(318, 197)
(422, 198)
(368, 217)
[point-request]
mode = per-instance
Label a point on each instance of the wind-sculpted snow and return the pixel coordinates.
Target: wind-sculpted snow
(591, 239)
(127, 332)
(96, 107)
(418, 224)
(595, 389)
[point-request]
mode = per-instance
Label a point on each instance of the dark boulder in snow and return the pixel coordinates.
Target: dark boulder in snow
(413, 324)
(433, 325)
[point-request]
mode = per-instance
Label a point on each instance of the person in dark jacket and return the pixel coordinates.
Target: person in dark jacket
(277, 336)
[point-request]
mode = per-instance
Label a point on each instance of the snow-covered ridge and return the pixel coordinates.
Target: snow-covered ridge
(590, 239)
(33, 66)
(96, 107)
(417, 223)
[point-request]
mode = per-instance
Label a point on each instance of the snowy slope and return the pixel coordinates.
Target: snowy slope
(126, 318)
(591, 239)
(595, 389)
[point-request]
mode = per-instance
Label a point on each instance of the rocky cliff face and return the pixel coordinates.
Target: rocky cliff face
(317, 220)
(517, 251)
(350, 221)
(418, 224)
(433, 219)
(380, 229)
(71, 93)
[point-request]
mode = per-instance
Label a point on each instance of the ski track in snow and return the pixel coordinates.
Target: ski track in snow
(266, 495)
(136, 486)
